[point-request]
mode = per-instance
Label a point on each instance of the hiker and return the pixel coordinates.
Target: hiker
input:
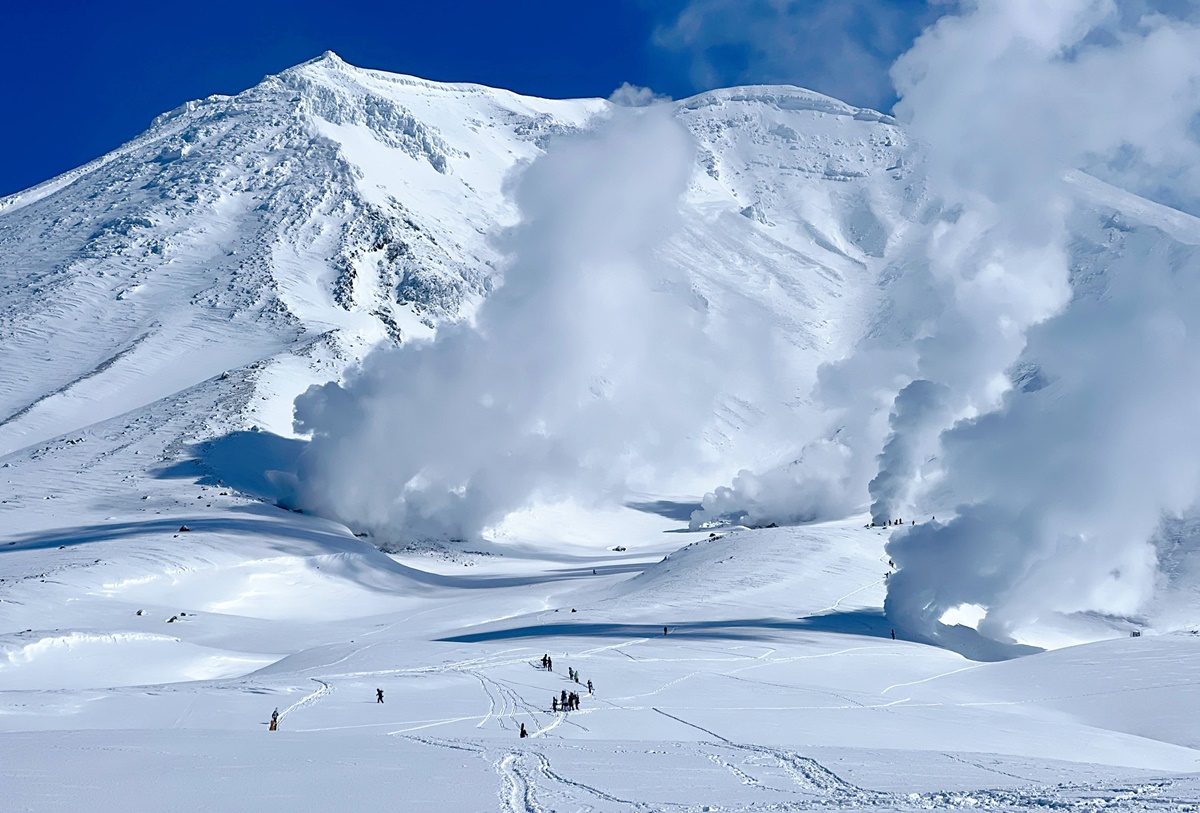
(593, 571)
(275, 716)
(576, 677)
(590, 690)
(524, 733)
(893, 635)
(553, 704)
(379, 695)
(575, 701)
(544, 657)
(563, 698)
(664, 630)
(549, 664)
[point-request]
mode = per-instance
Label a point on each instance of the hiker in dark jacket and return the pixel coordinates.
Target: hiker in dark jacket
(379, 695)
(590, 689)
(553, 704)
(524, 733)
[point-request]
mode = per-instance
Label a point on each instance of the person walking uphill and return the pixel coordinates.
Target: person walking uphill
(379, 695)
(524, 733)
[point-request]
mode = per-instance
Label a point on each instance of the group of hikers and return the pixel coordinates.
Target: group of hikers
(890, 522)
(566, 701)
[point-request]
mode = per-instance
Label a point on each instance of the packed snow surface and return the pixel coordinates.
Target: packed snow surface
(161, 309)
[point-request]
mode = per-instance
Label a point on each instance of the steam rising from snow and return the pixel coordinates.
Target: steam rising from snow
(1052, 497)
(1049, 499)
(563, 386)
(1054, 510)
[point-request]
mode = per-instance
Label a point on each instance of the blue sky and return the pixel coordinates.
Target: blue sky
(82, 77)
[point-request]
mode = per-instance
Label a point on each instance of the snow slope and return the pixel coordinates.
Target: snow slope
(161, 307)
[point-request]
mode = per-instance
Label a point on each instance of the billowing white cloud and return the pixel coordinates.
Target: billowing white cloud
(1048, 500)
(1057, 501)
(628, 95)
(561, 386)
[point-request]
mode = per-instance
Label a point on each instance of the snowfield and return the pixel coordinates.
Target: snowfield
(162, 307)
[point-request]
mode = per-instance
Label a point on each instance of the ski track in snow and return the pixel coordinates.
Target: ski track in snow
(323, 691)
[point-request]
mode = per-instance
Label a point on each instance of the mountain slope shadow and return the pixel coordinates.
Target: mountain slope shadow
(261, 464)
(963, 640)
(670, 509)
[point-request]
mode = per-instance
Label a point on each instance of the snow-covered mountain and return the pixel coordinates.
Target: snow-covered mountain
(162, 307)
(330, 208)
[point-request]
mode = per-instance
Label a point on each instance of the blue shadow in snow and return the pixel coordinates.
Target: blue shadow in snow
(870, 623)
(749, 629)
(260, 464)
(678, 511)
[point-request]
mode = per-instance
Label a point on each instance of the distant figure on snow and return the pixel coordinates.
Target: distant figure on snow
(549, 663)
(589, 686)
(275, 716)
(563, 698)
(524, 733)
(554, 704)
(379, 695)
(893, 635)
(664, 630)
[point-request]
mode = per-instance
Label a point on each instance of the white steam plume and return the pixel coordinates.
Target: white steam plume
(587, 366)
(1010, 96)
